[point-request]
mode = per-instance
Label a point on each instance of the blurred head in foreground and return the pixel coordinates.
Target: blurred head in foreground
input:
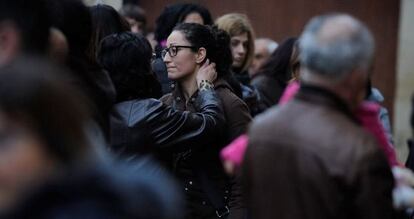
(41, 128)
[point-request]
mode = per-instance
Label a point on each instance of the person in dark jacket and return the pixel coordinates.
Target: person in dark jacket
(105, 21)
(209, 191)
(273, 77)
(409, 163)
(242, 35)
(49, 169)
(74, 19)
(242, 48)
(140, 124)
(323, 164)
(24, 27)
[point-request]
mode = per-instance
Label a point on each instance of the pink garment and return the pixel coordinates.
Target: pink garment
(289, 92)
(234, 152)
(367, 114)
(163, 43)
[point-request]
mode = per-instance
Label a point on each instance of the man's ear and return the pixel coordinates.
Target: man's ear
(9, 42)
(201, 55)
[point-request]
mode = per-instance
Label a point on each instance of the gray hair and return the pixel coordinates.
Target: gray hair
(271, 44)
(334, 45)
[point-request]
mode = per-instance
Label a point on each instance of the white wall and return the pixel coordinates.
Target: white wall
(405, 78)
(114, 3)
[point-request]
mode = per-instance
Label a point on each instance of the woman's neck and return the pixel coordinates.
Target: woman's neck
(189, 85)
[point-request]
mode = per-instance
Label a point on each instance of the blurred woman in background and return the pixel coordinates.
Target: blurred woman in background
(272, 78)
(105, 21)
(242, 38)
(74, 20)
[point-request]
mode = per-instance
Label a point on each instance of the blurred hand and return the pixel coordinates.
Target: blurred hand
(229, 167)
(403, 176)
(403, 193)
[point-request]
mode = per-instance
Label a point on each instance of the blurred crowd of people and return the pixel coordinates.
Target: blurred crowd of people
(101, 117)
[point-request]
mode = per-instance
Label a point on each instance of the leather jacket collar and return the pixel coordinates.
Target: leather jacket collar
(178, 95)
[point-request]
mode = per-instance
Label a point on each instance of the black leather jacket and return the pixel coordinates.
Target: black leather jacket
(148, 125)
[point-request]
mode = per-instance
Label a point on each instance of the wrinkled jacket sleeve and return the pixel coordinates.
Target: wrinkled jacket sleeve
(172, 129)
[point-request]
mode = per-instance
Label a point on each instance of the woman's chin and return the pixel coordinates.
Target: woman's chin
(173, 76)
(237, 64)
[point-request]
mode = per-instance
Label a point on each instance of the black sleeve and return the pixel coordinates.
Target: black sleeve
(172, 129)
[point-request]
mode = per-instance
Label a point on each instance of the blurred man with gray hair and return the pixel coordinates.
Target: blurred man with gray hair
(263, 48)
(310, 158)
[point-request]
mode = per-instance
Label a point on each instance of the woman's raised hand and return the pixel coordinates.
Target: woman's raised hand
(207, 72)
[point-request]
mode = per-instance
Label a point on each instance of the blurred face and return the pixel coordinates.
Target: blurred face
(23, 162)
(136, 26)
(239, 45)
(179, 57)
(10, 42)
(261, 54)
(193, 17)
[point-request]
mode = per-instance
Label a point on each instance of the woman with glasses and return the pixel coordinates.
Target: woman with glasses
(141, 125)
(171, 16)
(210, 193)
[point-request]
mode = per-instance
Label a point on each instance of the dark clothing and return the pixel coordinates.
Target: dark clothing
(148, 125)
(249, 94)
(135, 190)
(268, 91)
(160, 70)
(191, 165)
(243, 77)
(98, 88)
(250, 97)
(236, 111)
(310, 159)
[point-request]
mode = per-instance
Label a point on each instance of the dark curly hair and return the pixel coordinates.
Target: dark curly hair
(217, 44)
(127, 58)
(175, 14)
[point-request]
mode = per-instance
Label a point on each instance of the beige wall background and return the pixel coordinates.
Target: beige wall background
(404, 79)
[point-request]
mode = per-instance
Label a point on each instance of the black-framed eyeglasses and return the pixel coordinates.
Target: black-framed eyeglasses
(173, 50)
